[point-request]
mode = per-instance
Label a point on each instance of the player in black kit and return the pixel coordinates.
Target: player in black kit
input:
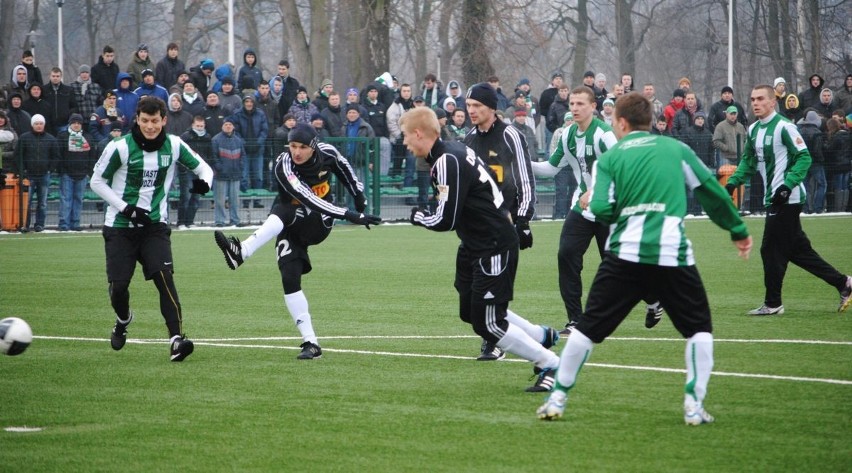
(302, 215)
(505, 151)
(470, 202)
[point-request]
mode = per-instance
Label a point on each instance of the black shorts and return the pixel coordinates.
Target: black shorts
(150, 245)
(619, 285)
(302, 228)
(489, 279)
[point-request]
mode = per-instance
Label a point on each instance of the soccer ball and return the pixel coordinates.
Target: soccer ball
(15, 336)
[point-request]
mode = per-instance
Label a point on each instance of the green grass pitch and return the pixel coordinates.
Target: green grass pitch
(398, 388)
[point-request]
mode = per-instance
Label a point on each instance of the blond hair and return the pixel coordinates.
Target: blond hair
(420, 118)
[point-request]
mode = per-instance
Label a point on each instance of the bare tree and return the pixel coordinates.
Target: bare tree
(476, 63)
(7, 22)
(311, 49)
(808, 59)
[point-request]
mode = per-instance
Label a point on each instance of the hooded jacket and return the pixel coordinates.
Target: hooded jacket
(125, 100)
(825, 109)
(810, 96)
(15, 87)
(251, 71)
(843, 96)
(253, 128)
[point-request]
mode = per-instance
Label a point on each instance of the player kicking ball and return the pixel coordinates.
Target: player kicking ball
(470, 202)
(302, 216)
(639, 189)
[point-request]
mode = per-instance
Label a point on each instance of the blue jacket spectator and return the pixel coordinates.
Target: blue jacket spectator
(150, 87)
(249, 69)
(252, 126)
(126, 100)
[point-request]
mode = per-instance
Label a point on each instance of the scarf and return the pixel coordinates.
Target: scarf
(691, 109)
(84, 84)
(77, 142)
(145, 143)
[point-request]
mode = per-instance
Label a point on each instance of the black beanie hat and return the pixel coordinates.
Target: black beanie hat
(483, 93)
(303, 133)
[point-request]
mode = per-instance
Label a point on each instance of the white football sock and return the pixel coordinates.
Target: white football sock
(517, 342)
(536, 332)
(269, 230)
(297, 304)
(577, 349)
(699, 364)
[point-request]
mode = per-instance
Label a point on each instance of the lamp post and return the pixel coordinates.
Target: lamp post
(59, 48)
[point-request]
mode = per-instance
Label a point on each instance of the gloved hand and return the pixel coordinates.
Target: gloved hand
(360, 202)
(199, 186)
(781, 196)
(362, 219)
(137, 215)
(730, 188)
(525, 237)
(414, 213)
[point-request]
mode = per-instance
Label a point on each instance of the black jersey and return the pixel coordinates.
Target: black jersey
(308, 183)
(505, 150)
(469, 201)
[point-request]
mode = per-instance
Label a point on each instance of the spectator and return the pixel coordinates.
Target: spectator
(77, 158)
(178, 120)
(449, 105)
(815, 183)
(674, 106)
(265, 102)
(114, 134)
(718, 111)
(150, 87)
(249, 69)
(221, 73)
(253, 128)
(192, 100)
(139, 63)
(608, 110)
(826, 103)
(844, 95)
(202, 143)
(88, 95)
(319, 126)
(838, 158)
(699, 138)
(19, 119)
(556, 115)
(502, 101)
(660, 127)
(102, 120)
(38, 153)
(547, 98)
(202, 76)
(289, 87)
(321, 99)
(62, 103)
(454, 91)
(564, 183)
(442, 124)
(810, 97)
(431, 92)
(377, 119)
(301, 107)
(598, 86)
(19, 84)
(126, 100)
(780, 86)
(650, 93)
(627, 82)
(457, 127)
(533, 114)
(8, 141)
(276, 85)
(229, 97)
(213, 113)
(33, 72)
(356, 127)
(729, 137)
(791, 109)
(169, 67)
(686, 115)
(399, 153)
(105, 72)
(333, 115)
(520, 103)
(228, 154)
(520, 123)
(617, 91)
(280, 135)
(177, 87)
(36, 104)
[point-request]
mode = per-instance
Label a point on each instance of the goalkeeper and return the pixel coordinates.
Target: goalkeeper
(302, 215)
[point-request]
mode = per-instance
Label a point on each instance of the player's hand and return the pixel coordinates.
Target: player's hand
(781, 196)
(584, 200)
(360, 202)
(744, 247)
(417, 212)
(730, 188)
(362, 218)
(199, 186)
(525, 236)
(137, 215)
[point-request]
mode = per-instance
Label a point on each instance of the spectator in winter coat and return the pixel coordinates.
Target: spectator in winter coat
(838, 162)
(826, 103)
(222, 72)
(250, 123)
(289, 87)
(126, 100)
(686, 115)
(201, 142)
(301, 107)
(555, 117)
(549, 96)
(520, 123)
(229, 97)
(139, 63)
(810, 97)
(729, 137)
(718, 112)
(38, 153)
(280, 137)
(502, 101)
(321, 97)
(19, 84)
(431, 92)
(333, 115)
(791, 109)
(150, 87)
(699, 138)
(227, 154)
(102, 120)
(62, 103)
(844, 95)
(319, 126)
(105, 72)
(77, 158)
(18, 118)
(178, 120)
(213, 113)
(650, 93)
(249, 70)
(169, 67)
(8, 141)
(36, 104)
(356, 127)
(815, 182)
(660, 127)
(454, 91)
(28, 61)
(87, 94)
(192, 100)
(201, 76)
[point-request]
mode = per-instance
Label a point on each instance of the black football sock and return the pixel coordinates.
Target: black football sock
(169, 302)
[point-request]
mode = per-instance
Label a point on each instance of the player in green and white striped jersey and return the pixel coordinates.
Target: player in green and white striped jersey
(776, 150)
(134, 175)
(579, 146)
(639, 189)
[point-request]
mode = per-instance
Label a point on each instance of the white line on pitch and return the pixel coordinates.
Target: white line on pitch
(454, 357)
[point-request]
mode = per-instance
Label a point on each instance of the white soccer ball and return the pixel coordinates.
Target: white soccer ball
(15, 336)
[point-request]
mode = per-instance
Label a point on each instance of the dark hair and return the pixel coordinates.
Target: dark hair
(832, 126)
(284, 63)
(636, 109)
(108, 49)
(198, 118)
(492, 79)
(172, 46)
(431, 77)
(263, 82)
(151, 105)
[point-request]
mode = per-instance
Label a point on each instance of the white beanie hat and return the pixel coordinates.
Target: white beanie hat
(779, 80)
(37, 118)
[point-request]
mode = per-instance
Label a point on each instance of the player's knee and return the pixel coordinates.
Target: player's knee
(291, 282)
(119, 288)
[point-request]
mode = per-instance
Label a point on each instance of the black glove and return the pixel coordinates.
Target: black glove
(362, 219)
(138, 216)
(417, 210)
(360, 202)
(525, 237)
(199, 186)
(781, 196)
(730, 188)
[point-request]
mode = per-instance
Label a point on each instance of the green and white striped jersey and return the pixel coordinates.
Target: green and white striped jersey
(578, 150)
(125, 174)
(639, 189)
(775, 148)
